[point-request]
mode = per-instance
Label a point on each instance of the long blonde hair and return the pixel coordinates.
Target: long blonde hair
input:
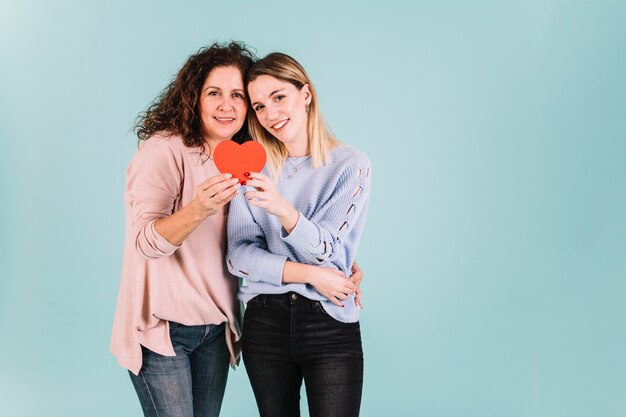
(321, 140)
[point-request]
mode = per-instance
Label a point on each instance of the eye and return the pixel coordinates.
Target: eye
(213, 93)
(279, 97)
(258, 107)
(238, 96)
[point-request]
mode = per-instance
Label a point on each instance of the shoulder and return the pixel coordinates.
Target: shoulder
(160, 153)
(161, 148)
(347, 156)
(162, 142)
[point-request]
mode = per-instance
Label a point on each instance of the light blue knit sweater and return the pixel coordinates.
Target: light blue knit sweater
(332, 201)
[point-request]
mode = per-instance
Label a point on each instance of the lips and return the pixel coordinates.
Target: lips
(280, 125)
(224, 120)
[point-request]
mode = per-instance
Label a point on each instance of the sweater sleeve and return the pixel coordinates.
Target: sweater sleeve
(339, 219)
(248, 256)
(153, 183)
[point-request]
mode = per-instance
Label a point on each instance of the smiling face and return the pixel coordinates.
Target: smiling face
(223, 103)
(280, 108)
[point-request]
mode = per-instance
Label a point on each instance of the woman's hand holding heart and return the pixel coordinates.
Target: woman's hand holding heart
(267, 197)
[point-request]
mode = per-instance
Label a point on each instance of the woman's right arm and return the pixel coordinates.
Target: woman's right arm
(154, 177)
(249, 258)
(210, 196)
(330, 282)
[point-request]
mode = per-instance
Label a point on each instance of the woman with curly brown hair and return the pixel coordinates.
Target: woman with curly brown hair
(177, 320)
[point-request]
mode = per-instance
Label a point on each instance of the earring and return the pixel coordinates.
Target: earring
(306, 108)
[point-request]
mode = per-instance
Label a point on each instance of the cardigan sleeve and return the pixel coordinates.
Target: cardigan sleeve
(248, 256)
(340, 218)
(153, 182)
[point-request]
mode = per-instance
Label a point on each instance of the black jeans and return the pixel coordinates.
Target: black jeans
(288, 337)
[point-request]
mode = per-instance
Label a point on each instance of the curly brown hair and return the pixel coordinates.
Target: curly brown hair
(176, 111)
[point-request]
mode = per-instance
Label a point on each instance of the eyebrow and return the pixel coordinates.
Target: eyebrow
(271, 94)
(217, 88)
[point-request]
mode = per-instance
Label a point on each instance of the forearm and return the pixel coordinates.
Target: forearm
(295, 272)
(254, 263)
(314, 242)
(178, 226)
(329, 282)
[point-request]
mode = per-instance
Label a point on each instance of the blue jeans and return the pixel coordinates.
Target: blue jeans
(288, 338)
(192, 383)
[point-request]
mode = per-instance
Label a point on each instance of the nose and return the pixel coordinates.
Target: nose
(272, 113)
(226, 103)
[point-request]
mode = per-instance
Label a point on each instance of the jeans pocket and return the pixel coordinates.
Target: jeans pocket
(256, 301)
(318, 307)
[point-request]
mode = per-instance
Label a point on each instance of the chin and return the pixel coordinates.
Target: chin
(225, 134)
(283, 138)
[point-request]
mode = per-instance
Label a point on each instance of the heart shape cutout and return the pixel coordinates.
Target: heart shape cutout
(233, 158)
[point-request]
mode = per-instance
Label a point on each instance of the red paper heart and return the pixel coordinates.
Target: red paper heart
(235, 159)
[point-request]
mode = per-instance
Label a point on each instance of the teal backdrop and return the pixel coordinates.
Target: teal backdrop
(494, 251)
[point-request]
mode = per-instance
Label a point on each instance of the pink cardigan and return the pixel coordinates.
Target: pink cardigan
(161, 282)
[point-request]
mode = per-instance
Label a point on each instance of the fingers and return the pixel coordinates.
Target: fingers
(217, 188)
(257, 195)
(259, 184)
(213, 180)
(357, 298)
(218, 194)
(356, 278)
(267, 200)
(259, 199)
(357, 274)
(339, 298)
(333, 285)
(259, 176)
(345, 292)
(216, 191)
(259, 181)
(226, 195)
(335, 301)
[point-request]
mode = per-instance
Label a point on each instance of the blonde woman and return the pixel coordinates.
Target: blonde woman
(307, 207)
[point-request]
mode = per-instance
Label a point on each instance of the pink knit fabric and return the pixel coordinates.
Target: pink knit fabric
(161, 282)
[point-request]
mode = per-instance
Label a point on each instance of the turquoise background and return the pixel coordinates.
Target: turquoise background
(494, 248)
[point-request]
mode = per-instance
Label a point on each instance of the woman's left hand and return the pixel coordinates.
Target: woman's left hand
(356, 277)
(267, 197)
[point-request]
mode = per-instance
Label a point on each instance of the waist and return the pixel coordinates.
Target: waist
(290, 297)
(261, 292)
